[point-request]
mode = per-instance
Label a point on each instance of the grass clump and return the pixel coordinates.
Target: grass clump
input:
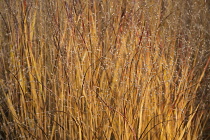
(104, 69)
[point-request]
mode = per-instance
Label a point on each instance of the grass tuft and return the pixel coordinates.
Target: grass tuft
(104, 69)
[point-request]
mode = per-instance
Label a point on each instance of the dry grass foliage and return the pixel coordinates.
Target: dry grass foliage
(104, 69)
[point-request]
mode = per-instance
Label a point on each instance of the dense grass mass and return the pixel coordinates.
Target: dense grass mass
(105, 69)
